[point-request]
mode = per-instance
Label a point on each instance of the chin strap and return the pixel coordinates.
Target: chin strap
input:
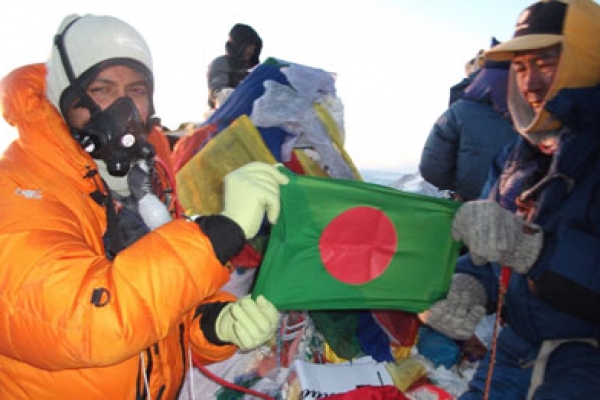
(59, 42)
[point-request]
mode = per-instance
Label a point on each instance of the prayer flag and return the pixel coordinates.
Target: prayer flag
(342, 244)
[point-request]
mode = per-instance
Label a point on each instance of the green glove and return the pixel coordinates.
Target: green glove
(247, 323)
(249, 192)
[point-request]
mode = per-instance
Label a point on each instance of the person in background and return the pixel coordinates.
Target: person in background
(471, 68)
(464, 141)
(540, 223)
(106, 292)
(242, 52)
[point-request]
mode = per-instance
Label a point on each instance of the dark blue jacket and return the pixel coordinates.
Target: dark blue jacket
(560, 296)
(465, 139)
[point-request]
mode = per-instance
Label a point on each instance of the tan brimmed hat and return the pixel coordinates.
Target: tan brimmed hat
(539, 25)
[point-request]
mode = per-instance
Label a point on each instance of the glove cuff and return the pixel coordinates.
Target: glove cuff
(208, 321)
(466, 283)
(527, 249)
(226, 236)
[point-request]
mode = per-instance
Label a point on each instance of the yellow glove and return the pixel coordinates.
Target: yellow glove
(247, 323)
(249, 192)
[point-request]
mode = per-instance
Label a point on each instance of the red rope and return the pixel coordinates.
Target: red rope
(171, 185)
(230, 385)
(504, 278)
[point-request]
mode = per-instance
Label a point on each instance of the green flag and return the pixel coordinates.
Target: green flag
(341, 244)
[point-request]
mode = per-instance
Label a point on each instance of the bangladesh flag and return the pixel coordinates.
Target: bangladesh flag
(341, 244)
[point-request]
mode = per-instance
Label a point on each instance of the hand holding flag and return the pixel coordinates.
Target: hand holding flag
(341, 244)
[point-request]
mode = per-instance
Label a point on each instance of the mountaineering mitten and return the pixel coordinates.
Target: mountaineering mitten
(459, 313)
(494, 234)
(247, 323)
(249, 192)
(139, 179)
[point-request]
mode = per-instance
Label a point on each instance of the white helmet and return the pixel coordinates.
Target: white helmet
(81, 44)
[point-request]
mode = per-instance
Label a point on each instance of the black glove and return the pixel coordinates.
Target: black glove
(139, 179)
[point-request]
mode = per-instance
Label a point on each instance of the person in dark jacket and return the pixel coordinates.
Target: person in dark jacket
(242, 52)
(465, 139)
(471, 68)
(539, 227)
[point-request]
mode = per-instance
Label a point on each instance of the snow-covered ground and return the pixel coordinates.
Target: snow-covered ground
(409, 182)
(386, 178)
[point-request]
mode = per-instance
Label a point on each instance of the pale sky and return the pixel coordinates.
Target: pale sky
(395, 59)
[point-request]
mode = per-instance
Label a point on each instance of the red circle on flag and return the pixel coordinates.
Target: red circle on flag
(358, 245)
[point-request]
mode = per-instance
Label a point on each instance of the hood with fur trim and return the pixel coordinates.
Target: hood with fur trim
(579, 64)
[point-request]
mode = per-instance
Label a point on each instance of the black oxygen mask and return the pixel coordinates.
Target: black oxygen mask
(116, 135)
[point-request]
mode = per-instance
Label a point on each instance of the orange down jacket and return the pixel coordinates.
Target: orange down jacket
(54, 341)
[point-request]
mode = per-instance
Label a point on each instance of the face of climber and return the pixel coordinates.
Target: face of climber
(249, 51)
(110, 84)
(535, 71)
